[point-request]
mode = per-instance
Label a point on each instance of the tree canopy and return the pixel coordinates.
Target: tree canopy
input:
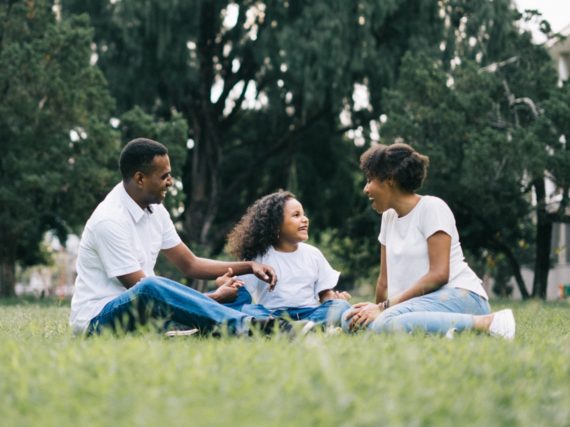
(56, 141)
(253, 96)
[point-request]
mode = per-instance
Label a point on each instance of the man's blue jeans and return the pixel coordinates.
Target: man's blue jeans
(328, 313)
(434, 313)
(164, 300)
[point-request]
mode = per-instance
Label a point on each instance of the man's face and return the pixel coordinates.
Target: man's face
(157, 181)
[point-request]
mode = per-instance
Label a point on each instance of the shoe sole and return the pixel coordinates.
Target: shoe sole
(181, 333)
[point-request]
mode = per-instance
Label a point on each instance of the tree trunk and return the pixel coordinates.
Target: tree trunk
(515, 268)
(7, 278)
(543, 242)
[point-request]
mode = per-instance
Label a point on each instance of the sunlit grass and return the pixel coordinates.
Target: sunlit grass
(49, 378)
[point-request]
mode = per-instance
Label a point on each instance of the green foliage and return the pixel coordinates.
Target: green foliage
(48, 89)
(298, 59)
(49, 378)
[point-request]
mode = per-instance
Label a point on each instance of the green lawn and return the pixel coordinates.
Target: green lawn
(49, 378)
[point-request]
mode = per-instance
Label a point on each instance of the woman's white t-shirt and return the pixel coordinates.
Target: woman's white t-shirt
(301, 276)
(405, 239)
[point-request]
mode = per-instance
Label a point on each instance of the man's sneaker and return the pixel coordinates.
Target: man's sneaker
(503, 324)
(271, 325)
(309, 327)
(181, 332)
(450, 334)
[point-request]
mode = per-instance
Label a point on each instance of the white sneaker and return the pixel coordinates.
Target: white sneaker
(331, 331)
(181, 333)
(309, 327)
(450, 334)
(503, 324)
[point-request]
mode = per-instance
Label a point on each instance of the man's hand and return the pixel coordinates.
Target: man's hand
(330, 294)
(361, 315)
(265, 273)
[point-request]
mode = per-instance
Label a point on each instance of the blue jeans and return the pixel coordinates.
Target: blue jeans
(328, 313)
(163, 300)
(434, 313)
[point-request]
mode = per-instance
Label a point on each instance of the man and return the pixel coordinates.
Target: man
(116, 285)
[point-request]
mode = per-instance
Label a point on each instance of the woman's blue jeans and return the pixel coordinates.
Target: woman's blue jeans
(166, 301)
(434, 313)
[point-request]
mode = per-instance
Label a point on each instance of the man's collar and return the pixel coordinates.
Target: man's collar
(134, 209)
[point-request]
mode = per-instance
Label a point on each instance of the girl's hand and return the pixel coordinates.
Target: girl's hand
(265, 273)
(229, 279)
(361, 315)
(225, 293)
(330, 294)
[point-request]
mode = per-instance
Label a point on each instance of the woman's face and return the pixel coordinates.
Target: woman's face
(380, 193)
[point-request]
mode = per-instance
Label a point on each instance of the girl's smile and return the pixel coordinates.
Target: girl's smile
(294, 228)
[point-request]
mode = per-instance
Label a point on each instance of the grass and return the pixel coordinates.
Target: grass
(49, 378)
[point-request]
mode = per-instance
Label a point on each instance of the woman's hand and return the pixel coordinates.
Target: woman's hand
(361, 315)
(265, 273)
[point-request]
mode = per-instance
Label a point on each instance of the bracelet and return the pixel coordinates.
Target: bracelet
(384, 305)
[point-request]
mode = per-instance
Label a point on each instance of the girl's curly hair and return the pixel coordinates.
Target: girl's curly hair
(259, 228)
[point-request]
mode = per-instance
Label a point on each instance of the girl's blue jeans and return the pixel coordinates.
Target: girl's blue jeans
(166, 301)
(434, 313)
(328, 313)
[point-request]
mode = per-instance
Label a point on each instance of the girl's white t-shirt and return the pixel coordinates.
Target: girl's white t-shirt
(301, 276)
(405, 239)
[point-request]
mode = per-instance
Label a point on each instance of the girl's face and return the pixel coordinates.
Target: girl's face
(380, 193)
(295, 226)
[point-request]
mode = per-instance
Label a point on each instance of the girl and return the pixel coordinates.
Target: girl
(274, 230)
(424, 282)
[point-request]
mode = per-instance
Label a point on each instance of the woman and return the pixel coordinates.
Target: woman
(424, 282)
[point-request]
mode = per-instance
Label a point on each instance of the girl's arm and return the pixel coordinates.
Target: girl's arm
(439, 249)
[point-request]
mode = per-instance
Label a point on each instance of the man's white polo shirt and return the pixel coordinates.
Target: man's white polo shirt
(119, 238)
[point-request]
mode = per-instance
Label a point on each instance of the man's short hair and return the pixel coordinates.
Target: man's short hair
(138, 155)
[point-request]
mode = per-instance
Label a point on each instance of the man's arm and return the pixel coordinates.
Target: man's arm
(131, 279)
(201, 268)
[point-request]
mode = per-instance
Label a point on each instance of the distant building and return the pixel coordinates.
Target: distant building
(56, 279)
(560, 52)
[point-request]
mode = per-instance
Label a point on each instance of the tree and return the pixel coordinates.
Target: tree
(261, 86)
(493, 130)
(57, 145)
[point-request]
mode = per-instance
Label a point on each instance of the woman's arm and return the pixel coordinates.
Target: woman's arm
(382, 283)
(439, 249)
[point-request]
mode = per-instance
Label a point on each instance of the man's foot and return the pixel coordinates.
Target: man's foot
(503, 324)
(309, 327)
(272, 325)
(181, 332)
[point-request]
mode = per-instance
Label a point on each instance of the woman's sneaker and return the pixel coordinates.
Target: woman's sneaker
(503, 324)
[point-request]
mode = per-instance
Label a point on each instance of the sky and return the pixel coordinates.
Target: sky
(557, 12)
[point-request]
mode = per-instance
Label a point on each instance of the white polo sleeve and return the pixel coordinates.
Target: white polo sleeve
(170, 237)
